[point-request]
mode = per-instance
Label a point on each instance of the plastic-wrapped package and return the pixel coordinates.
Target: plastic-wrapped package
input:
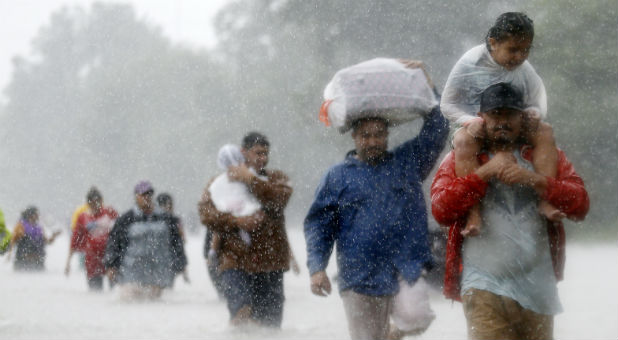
(475, 71)
(379, 87)
(230, 196)
(411, 310)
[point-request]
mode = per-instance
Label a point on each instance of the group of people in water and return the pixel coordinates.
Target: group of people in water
(502, 191)
(156, 255)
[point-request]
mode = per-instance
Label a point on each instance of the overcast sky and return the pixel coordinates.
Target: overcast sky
(184, 21)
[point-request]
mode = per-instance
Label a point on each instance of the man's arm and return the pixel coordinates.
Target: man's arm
(566, 192)
(77, 241)
(452, 197)
(273, 193)
(79, 235)
(321, 225)
(117, 242)
(225, 222)
(179, 261)
(18, 233)
(423, 151)
(320, 229)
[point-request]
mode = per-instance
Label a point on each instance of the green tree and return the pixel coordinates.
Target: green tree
(285, 52)
(106, 99)
(576, 54)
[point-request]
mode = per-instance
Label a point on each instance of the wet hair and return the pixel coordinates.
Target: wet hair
(164, 199)
(30, 212)
(510, 24)
(93, 195)
(355, 124)
(254, 138)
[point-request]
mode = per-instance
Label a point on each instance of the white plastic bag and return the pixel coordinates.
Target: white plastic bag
(411, 309)
(379, 87)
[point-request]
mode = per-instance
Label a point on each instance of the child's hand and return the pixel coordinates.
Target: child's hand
(476, 127)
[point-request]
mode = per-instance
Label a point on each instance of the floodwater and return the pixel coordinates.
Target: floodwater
(49, 305)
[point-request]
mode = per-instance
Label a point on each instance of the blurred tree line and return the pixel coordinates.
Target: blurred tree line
(106, 99)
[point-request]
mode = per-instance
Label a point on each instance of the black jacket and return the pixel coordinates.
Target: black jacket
(118, 241)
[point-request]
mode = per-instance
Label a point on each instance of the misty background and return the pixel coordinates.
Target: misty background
(106, 99)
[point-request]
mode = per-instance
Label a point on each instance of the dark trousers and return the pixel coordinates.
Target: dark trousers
(216, 280)
(95, 283)
(263, 292)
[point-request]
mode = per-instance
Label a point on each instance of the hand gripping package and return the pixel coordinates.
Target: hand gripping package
(379, 87)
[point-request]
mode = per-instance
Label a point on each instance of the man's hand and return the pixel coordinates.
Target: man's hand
(320, 284)
(496, 165)
(515, 174)
(53, 236)
(240, 173)
(412, 64)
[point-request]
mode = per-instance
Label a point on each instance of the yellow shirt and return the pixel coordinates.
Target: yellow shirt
(81, 209)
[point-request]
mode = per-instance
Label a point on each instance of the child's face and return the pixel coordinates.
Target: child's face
(511, 52)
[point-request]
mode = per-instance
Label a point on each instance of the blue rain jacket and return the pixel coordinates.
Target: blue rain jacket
(376, 215)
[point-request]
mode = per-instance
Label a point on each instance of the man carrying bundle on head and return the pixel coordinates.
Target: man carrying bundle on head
(372, 205)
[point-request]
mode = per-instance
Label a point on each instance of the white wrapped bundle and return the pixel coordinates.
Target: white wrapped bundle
(228, 196)
(379, 87)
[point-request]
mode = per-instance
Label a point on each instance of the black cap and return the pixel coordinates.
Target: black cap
(501, 95)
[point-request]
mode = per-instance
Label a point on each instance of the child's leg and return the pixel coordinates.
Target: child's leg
(545, 153)
(545, 161)
(466, 149)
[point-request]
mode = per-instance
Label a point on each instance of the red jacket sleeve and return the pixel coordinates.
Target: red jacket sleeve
(567, 192)
(80, 234)
(451, 196)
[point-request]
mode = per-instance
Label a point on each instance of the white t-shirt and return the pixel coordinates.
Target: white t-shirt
(511, 256)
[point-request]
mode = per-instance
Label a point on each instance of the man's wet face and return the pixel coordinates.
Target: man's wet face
(256, 157)
(371, 140)
(95, 204)
(144, 201)
(503, 125)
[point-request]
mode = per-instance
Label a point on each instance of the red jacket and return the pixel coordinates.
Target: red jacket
(90, 236)
(452, 197)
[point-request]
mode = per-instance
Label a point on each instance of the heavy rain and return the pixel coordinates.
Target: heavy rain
(138, 97)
